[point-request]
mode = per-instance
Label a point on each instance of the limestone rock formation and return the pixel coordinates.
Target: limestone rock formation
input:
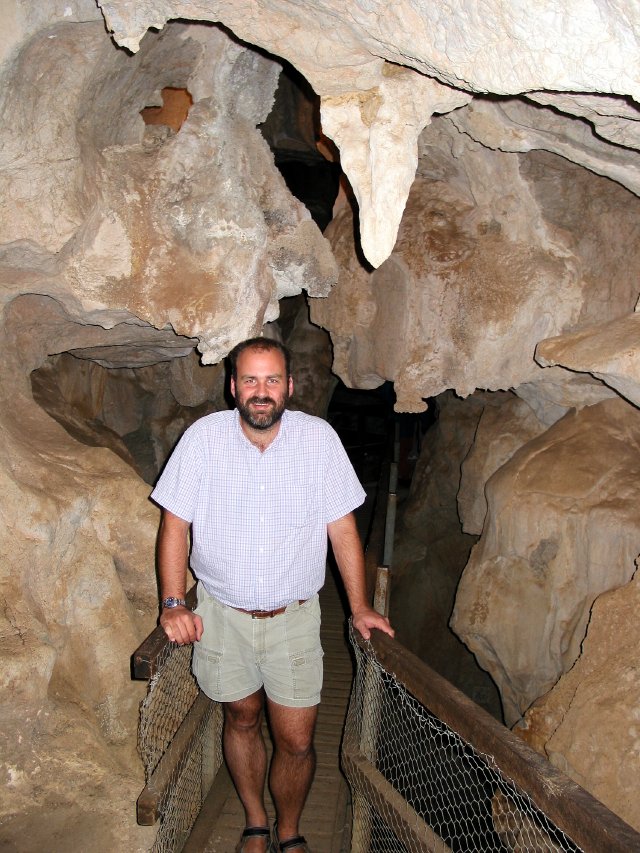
(607, 351)
(78, 595)
(504, 427)
(561, 529)
(488, 241)
(354, 58)
(154, 220)
(139, 412)
(590, 706)
(386, 120)
(312, 358)
(556, 391)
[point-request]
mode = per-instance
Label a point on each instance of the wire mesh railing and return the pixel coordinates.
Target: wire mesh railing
(431, 771)
(170, 694)
(179, 741)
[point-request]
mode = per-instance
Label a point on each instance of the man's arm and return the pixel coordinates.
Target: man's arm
(347, 549)
(180, 624)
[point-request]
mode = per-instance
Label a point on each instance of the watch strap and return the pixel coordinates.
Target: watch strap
(174, 602)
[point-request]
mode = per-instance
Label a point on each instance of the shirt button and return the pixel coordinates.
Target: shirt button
(262, 550)
(262, 488)
(261, 519)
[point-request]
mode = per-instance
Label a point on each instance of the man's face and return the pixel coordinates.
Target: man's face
(262, 388)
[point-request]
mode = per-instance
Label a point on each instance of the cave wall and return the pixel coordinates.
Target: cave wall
(123, 247)
(488, 240)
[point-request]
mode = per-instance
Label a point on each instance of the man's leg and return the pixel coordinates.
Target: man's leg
(293, 763)
(246, 758)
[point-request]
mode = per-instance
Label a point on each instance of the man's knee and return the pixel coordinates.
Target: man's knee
(293, 729)
(244, 713)
(296, 744)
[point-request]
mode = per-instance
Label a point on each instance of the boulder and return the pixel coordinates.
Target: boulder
(561, 529)
(592, 711)
(504, 427)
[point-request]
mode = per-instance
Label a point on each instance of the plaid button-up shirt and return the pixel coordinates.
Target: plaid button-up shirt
(259, 520)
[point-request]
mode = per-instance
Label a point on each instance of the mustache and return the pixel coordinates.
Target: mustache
(261, 400)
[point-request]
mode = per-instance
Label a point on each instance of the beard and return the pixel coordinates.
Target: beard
(262, 420)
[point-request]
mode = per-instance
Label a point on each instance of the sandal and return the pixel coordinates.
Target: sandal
(298, 842)
(255, 832)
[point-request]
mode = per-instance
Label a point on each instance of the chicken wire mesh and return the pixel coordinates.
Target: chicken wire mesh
(172, 691)
(171, 694)
(418, 786)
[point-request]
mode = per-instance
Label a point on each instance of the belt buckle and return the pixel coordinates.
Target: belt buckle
(267, 614)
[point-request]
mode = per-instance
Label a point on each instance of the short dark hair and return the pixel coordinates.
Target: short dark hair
(258, 344)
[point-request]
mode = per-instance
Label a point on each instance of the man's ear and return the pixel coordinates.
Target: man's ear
(232, 386)
(290, 385)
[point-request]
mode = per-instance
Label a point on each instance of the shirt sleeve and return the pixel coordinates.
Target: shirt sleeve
(343, 492)
(178, 485)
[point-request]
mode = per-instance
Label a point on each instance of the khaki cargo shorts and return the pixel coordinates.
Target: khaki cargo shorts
(237, 654)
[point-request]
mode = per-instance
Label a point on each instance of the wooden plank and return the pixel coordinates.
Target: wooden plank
(145, 658)
(588, 822)
(399, 816)
(150, 800)
(389, 528)
(212, 808)
(340, 840)
(381, 597)
(375, 543)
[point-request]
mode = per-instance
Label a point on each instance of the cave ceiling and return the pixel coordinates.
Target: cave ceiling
(578, 58)
(145, 225)
(557, 78)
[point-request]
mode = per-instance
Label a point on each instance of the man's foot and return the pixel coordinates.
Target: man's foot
(255, 832)
(290, 845)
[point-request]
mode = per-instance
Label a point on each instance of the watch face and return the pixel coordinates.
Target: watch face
(172, 602)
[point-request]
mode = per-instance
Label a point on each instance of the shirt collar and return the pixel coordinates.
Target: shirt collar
(284, 421)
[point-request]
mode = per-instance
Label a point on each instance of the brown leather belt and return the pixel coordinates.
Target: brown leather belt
(267, 614)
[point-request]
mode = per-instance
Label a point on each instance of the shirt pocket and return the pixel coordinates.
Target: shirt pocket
(299, 502)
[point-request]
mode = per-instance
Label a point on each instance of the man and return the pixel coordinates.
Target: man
(260, 488)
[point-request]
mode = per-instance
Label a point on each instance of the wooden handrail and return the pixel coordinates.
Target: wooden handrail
(587, 821)
(146, 656)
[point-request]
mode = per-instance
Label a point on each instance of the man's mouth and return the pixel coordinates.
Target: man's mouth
(261, 402)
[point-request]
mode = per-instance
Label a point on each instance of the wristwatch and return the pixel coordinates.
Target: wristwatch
(174, 602)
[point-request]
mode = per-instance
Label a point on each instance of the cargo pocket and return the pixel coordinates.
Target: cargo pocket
(206, 662)
(206, 669)
(306, 673)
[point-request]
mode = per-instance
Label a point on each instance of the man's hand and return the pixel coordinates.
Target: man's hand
(367, 618)
(181, 625)
(347, 549)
